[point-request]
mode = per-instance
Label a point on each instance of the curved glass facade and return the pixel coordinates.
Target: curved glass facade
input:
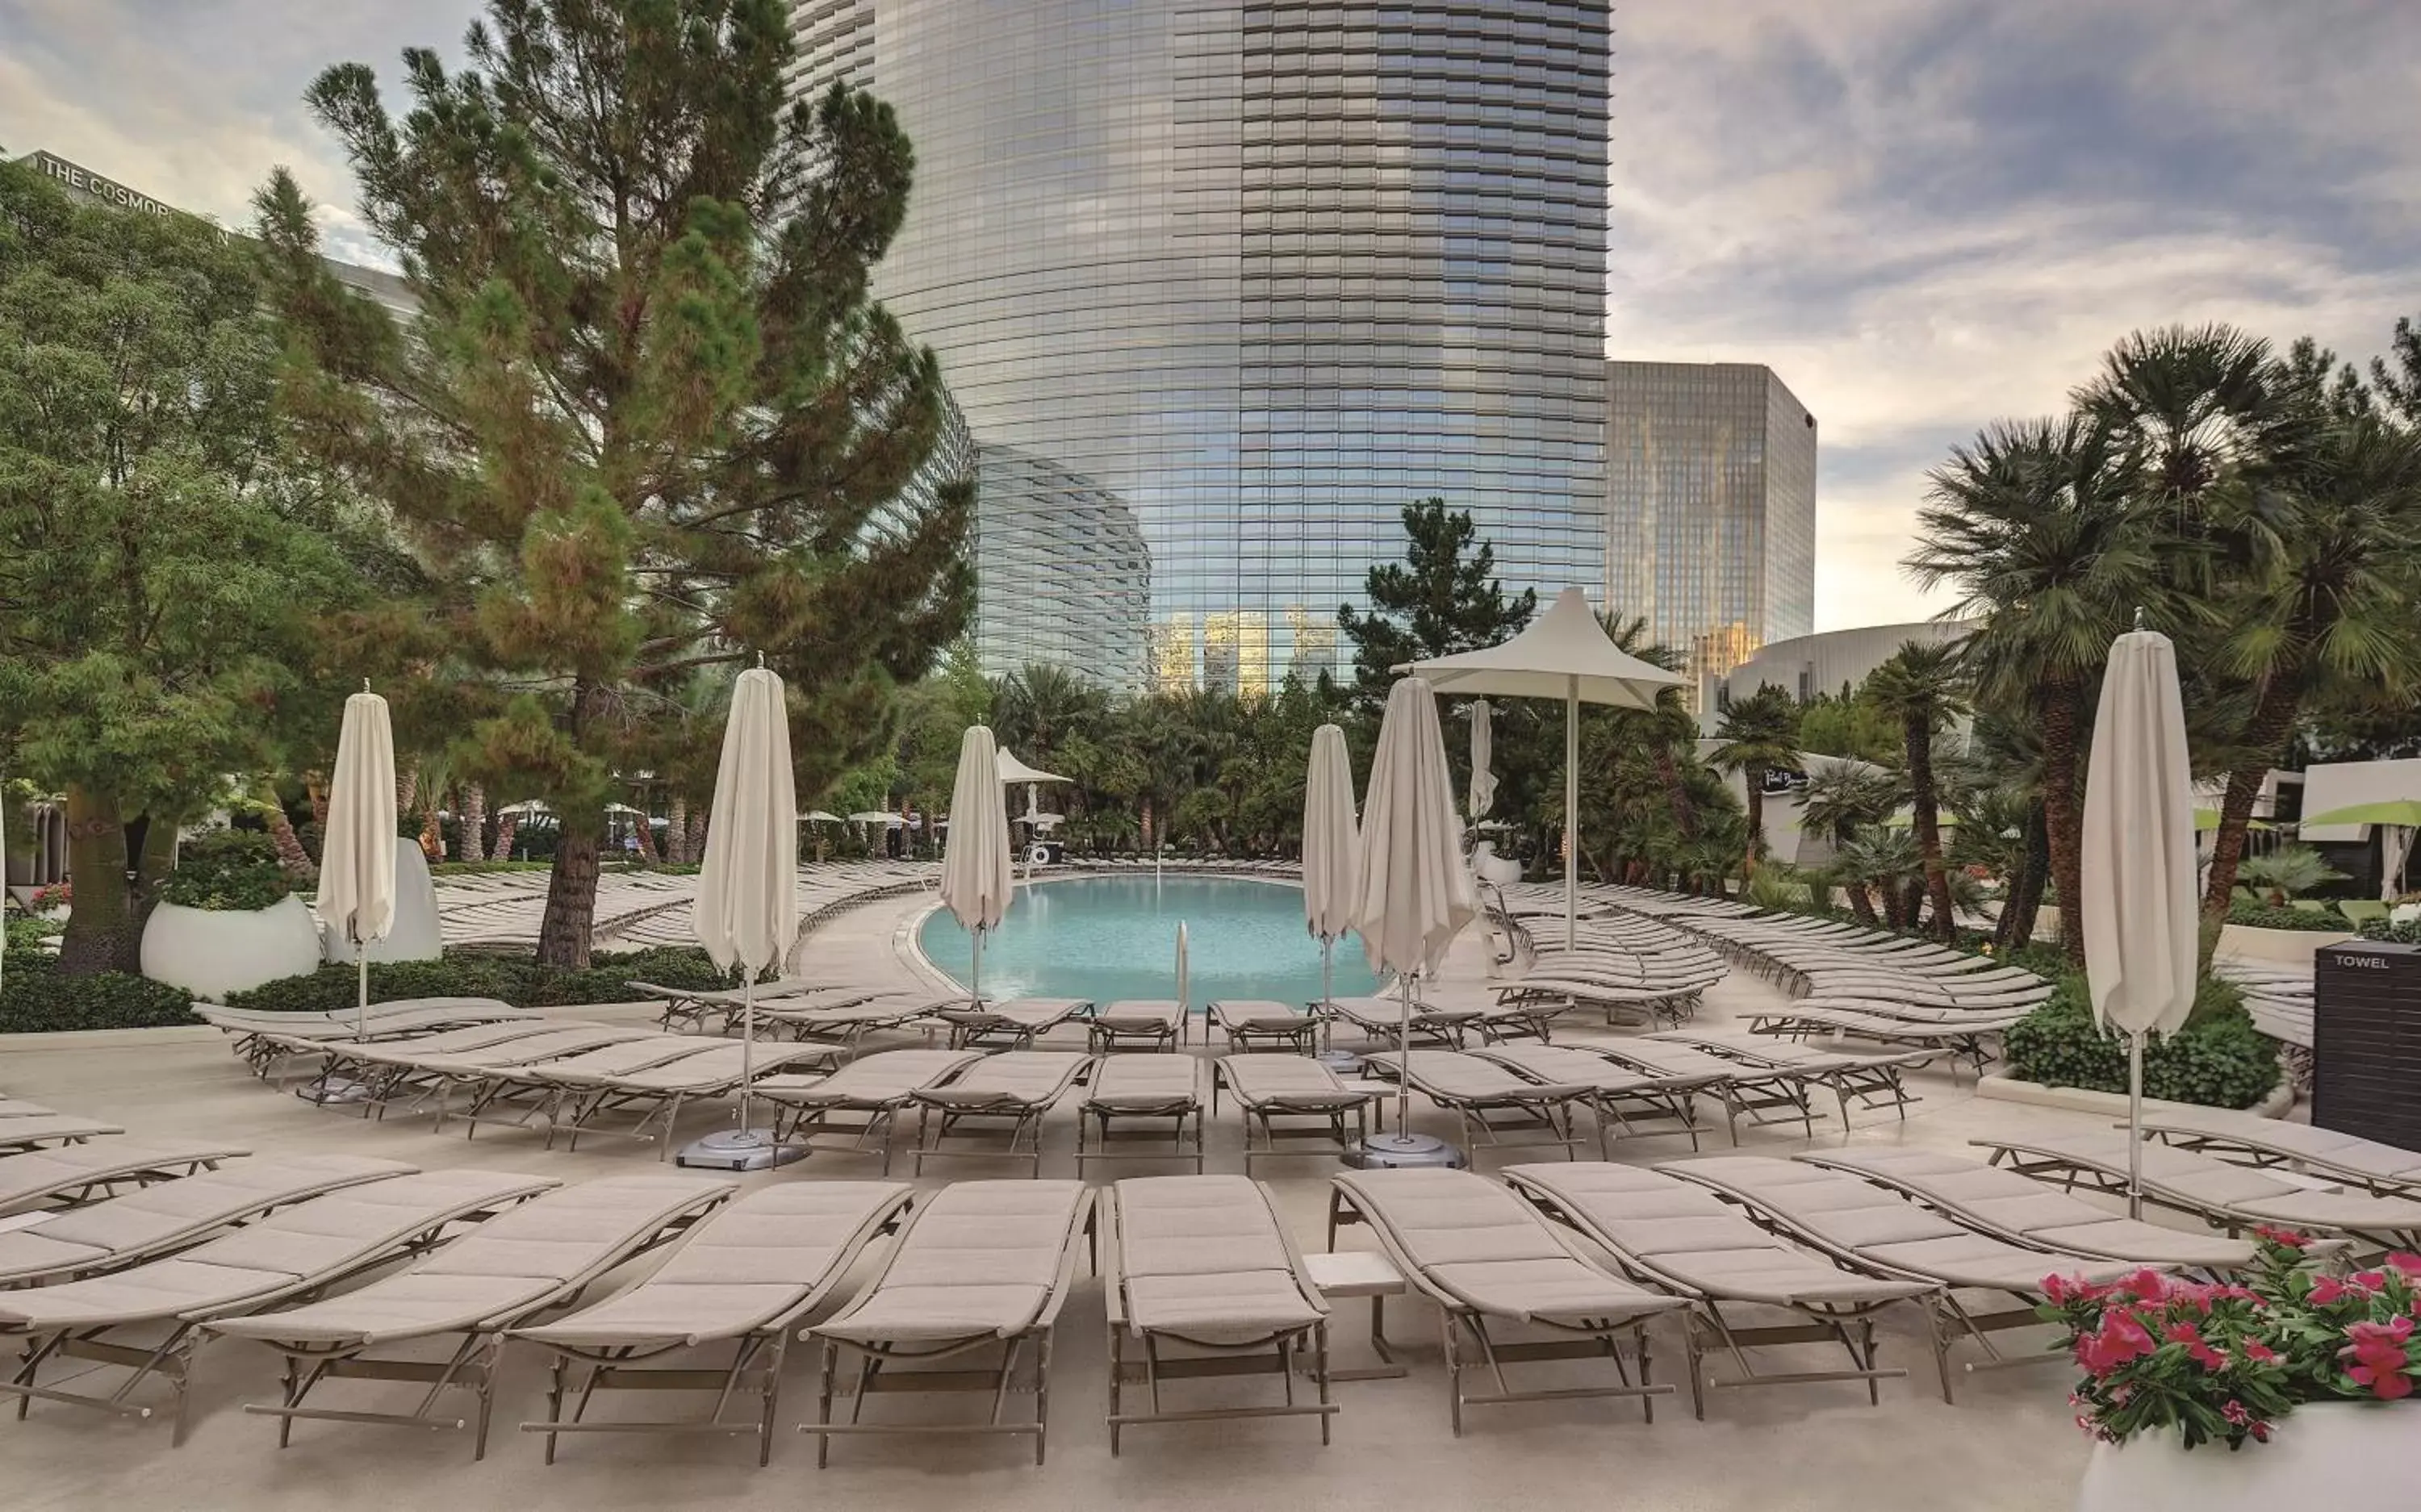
(1245, 279)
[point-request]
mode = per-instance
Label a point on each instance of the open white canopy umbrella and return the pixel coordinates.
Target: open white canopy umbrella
(977, 876)
(357, 845)
(1483, 756)
(1412, 894)
(1565, 654)
(2137, 907)
(1332, 860)
(817, 816)
(2396, 819)
(747, 910)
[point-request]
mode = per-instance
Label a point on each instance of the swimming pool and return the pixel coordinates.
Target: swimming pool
(1107, 938)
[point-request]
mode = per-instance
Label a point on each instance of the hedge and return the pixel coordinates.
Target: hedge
(2406, 933)
(466, 974)
(2217, 1059)
(36, 999)
(2256, 917)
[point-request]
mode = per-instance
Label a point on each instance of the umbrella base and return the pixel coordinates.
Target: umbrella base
(1401, 1151)
(1343, 1062)
(333, 1091)
(738, 1149)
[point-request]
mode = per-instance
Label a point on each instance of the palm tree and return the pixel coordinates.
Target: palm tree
(1760, 734)
(1919, 685)
(1888, 861)
(1841, 800)
(2289, 872)
(471, 823)
(2033, 523)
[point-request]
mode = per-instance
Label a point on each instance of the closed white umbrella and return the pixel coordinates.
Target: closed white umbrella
(747, 910)
(977, 876)
(1332, 858)
(2138, 873)
(1483, 756)
(1412, 894)
(1566, 654)
(357, 844)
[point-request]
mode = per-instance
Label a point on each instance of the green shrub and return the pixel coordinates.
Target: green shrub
(469, 973)
(2217, 1059)
(227, 871)
(35, 998)
(477, 868)
(2254, 917)
(28, 934)
(2406, 933)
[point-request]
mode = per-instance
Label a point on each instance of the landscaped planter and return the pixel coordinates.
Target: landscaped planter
(2324, 1454)
(211, 953)
(2293, 946)
(413, 935)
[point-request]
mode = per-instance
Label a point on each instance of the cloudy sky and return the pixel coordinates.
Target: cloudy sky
(1925, 214)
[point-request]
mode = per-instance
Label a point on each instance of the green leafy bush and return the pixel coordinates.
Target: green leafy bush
(2217, 1059)
(479, 869)
(227, 871)
(36, 999)
(469, 974)
(2254, 916)
(2406, 933)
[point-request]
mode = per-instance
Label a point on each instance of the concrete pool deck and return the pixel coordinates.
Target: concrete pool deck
(2007, 1446)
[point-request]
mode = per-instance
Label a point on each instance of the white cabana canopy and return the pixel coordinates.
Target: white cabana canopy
(2138, 873)
(877, 816)
(1565, 654)
(1012, 769)
(817, 816)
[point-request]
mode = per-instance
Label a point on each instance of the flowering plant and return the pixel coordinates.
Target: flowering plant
(2228, 1362)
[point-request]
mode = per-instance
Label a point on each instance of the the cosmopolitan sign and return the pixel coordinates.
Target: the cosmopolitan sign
(79, 180)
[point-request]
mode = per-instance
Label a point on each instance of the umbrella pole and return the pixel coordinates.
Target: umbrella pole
(747, 1044)
(2135, 1126)
(1571, 812)
(362, 997)
(1405, 1064)
(975, 989)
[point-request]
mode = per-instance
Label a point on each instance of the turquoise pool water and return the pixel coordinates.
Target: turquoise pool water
(1107, 938)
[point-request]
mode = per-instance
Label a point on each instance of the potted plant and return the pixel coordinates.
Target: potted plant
(2219, 1398)
(228, 919)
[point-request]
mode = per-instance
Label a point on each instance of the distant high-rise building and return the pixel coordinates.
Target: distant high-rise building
(1710, 508)
(1253, 276)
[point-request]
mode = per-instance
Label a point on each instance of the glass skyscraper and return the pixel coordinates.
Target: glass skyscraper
(1711, 508)
(1221, 288)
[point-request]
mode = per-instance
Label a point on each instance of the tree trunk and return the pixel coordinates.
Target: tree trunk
(1676, 796)
(564, 934)
(407, 788)
(432, 830)
(315, 784)
(1862, 905)
(647, 840)
(471, 824)
(2060, 815)
(292, 857)
(504, 827)
(1916, 731)
(2025, 900)
(677, 831)
(1755, 784)
(2274, 717)
(102, 933)
(693, 843)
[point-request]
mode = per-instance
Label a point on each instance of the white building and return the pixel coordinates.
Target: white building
(1823, 662)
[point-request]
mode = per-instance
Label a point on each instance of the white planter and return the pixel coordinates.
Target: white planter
(213, 954)
(415, 934)
(2326, 1456)
(2293, 946)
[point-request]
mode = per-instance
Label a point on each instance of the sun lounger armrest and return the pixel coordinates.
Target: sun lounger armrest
(1072, 1252)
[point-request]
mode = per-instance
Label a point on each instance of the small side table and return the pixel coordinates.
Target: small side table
(1343, 1273)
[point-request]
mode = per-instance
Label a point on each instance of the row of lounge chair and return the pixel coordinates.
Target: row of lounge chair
(1634, 970)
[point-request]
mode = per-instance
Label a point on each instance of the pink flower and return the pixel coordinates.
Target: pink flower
(2369, 1280)
(2287, 1238)
(2197, 1348)
(2147, 1283)
(2381, 1362)
(2260, 1353)
(2260, 1432)
(2121, 1339)
(2329, 1290)
(2234, 1412)
(2407, 1262)
(2063, 1290)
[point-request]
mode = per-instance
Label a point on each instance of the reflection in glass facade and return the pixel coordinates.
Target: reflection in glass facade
(1711, 508)
(1252, 277)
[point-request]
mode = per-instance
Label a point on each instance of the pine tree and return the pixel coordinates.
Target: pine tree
(648, 419)
(1441, 599)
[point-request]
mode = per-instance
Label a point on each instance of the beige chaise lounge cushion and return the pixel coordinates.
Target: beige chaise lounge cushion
(980, 1257)
(1141, 1013)
(1204, 1258)
(2009, 1203)
(1143, 1081)
(1562, 1065)
(883, 1080)
(2325, 1147)
(766, 1257)
(1474, 1240)
(42, 1128)
(1295, 1083)
(1265, 1014)
(38, 1175)
(2208, 1182)
(1015, 1078)
(1452, 1076)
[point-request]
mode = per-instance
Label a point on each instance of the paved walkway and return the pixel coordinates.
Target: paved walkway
(2007, 1446)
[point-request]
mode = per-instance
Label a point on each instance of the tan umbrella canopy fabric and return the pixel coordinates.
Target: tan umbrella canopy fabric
(747, 911)
(1483, 759)
(2141, 928)
(1012, 769)
(1566, 654)
(357, 845)
(1331, 849)
(979, 876)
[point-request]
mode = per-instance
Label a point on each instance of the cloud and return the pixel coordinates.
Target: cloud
(1927, 216)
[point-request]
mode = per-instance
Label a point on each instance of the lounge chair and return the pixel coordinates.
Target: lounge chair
(1622, 1098)
(690, 1008)
(2236, 1197)
(1014, 1024)
(517, 1093)
(1254, 1023)
(261, 1039)
(1764, 1095)
(1146, 1024)
(37, 1131)
(78, 1173)
(1303, 1093)
(1381, 1018)
(297, 1251)
(2384, 1170)
(1880, 1233)
(474, 1073)
(21, 1108)
(980, 1266)
(659, 1093)
(745, 1278)
(1489, 1100)
(1870, 1080)
(1164, 1091)
(1001, 1097)
(2023, 1210)
(381, 1065)
(1479, 1252)
(538, 1256)
(862, 1100)
(1972, 1038)
(847, 1024)
(1684, 1240)
(1204, 1280)
(160, 1220)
